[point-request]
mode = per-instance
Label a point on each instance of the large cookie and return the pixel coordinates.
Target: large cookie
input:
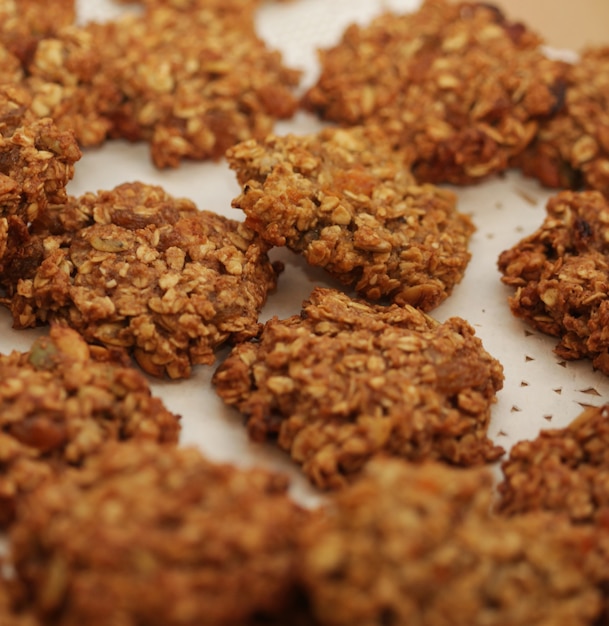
(456, 86)
(343, 200)
(345, 381)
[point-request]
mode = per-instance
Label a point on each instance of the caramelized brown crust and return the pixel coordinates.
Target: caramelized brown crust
(60, 402)
(561, 276)
(456, 86)
(571, 149)
(415, 544)
(158, 536)
(346, 202)
(346, 381)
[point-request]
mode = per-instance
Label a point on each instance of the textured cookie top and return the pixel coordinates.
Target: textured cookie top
(345, 381)
(456, 86)
(346, 202)
(135, 268)
(158, 536)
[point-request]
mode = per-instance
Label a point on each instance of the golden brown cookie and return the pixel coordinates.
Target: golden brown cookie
(138, 269)
(345, 381)
(143, 535)
(560, 274)
(415, 544)
(60, 402)
(345, 201)
(571, 148)
(193, 82)
(563, 470)
(456, 86)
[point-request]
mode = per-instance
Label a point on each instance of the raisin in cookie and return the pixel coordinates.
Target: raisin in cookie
(60, 402)
(142, 535)
(560, 274)
(455, 85)
(343, 200)
(138, 269)
(345, 381)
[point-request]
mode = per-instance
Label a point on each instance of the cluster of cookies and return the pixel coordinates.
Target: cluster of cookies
(109, 520)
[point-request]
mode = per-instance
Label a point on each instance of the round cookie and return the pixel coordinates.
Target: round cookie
(343, 200)
(560, 274)
(161, 537)
(60, 402)
(138, 269)
(415, 544)
(571, 148)
(457, 87)
(345, 381)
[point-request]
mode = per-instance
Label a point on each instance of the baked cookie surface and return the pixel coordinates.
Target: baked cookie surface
(456, 86)
(138, 269)
(345, 381)
(345, 201)
(60, 402)
(415, 544)
(161, 537)
(560, 274)
(571, 148)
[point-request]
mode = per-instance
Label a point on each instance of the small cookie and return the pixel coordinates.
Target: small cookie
(60, 401)
(193, 82)
(455, 85)
(563, 470)
(561, 276)
(145, 272)
(415, 544)
(346, 381)
(142, 535)
(343, 200)
(571, 148)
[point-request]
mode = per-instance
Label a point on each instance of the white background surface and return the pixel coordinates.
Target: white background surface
(540, 390)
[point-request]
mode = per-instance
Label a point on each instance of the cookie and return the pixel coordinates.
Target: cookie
(571, 148)
(345, 381)
(138, 269)
(563, 470)
(560, 274)
(163, 538)
(343, 200)
(60, 402)
(415, 544)
(193, 82)
(457, 87)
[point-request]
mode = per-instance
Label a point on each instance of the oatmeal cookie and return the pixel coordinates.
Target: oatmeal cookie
(143, 271)
(60, 401)
(193, 83)
(140, 536)
(346, 381)
(343, 200)
(563, 469)
(571, 148)
(561, 276)
(415, 544)
(456, 86)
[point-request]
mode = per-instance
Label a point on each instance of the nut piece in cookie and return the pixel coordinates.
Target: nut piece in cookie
(345, 201)
(60, 402)
(455, 85)
(561, 276)
(193, 82)
(138, 269)
(571, 148)
(563, 470)
(158, 537)
(416, 544)
(345, 381)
